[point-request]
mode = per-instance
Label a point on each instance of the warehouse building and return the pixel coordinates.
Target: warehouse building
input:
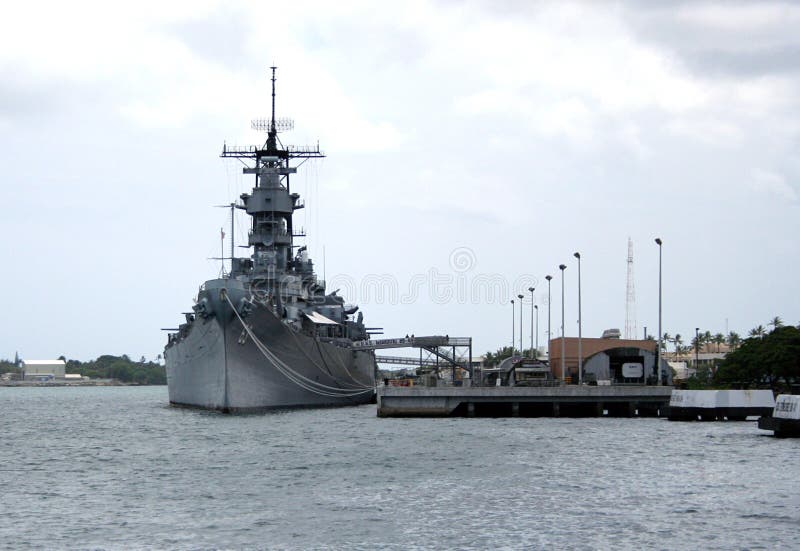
(43, 369)
(611, 359)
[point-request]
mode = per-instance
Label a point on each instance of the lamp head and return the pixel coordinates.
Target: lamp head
(531, 289)
(548, 278)
(520, 297)
(562, 267)
(658, 241)
(577, 255)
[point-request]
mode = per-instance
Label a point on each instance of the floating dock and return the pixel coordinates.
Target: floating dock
(545, 401)
(719, 405)
(785, 418)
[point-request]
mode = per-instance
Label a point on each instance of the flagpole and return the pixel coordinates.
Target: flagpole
(222, 251)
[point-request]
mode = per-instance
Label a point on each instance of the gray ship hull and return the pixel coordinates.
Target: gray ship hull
(217, 365)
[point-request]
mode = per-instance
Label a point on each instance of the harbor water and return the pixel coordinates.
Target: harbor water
(117, 468)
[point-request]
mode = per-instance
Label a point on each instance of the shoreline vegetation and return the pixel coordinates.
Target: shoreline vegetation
(106, 370)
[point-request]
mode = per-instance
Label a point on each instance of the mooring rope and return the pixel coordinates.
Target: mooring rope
(300, 380)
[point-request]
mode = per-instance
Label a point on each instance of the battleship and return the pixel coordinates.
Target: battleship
(267, 334)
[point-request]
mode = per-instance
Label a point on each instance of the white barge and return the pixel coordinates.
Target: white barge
(785, 418)
(719, 405)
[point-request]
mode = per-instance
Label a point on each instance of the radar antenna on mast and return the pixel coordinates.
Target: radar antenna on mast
(271, 149)
(272, 125)
(282, 124)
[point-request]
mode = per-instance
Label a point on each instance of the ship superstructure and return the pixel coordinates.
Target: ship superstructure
(268, 334)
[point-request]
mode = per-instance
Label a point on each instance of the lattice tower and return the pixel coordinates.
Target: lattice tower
(631, 330)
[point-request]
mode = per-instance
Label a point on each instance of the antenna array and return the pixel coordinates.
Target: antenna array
(265, 125)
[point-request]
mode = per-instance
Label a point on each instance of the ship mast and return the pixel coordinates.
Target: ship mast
(272, 136)
(271, 203)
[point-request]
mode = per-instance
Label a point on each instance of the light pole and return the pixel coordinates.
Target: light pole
(513, 327)
(563, 267)
(660, 334)
(549, 334)
(520, 297)
(580, 348)
(536, 307)
(696, 349)
(533, 350)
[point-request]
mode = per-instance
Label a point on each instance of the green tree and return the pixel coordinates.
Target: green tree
(719, 339)
(678, 341)
(771, 360)
(733, 340)
(492, 359)
(776, 322)
(707, 339)
(758, 331)
(664, 340)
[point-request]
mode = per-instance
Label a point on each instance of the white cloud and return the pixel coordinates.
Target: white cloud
(772, 183)
(733, 17)
(558, 119)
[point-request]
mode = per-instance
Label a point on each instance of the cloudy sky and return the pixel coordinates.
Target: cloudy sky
(472, 148)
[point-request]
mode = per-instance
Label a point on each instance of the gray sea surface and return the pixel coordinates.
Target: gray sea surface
(117, 468)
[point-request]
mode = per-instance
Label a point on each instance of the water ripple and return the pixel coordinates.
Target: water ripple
(113, 468)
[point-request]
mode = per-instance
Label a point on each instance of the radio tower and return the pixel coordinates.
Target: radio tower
(631, 331)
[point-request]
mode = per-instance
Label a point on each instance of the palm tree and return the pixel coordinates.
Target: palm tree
(707, 340)
(733, 340)
(776, 322)
(678, 342)
(719, 339)
(665, 339)
(757, 331)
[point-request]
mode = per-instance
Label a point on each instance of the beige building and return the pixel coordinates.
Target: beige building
(43, 368)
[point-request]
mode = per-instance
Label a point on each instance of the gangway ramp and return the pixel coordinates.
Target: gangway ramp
(404, 360)
(435, 350)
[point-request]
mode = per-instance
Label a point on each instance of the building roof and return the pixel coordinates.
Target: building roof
(44, 362)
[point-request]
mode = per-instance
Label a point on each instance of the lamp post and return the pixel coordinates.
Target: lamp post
(563, 267)
(520, 297)
(580, 348)
(533, 350)
(513, 327)
(696, 348)
(549, 334)
(660, 334)
(536, 307)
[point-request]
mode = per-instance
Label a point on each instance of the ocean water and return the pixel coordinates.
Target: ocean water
(117, 468)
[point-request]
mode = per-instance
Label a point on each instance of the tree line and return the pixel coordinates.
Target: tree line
(121, 368)
(707, 342)
(765, 358)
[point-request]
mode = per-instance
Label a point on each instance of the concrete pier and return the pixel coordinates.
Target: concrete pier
(558, 401)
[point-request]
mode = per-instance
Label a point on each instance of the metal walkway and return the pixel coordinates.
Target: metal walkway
(434, 351)
(412, 342)
(404, 360)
